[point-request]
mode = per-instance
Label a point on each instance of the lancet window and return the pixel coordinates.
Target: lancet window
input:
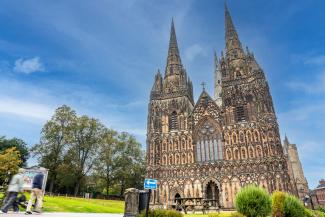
(209, 144)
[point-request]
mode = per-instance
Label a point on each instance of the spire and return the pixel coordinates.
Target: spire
(286, 140)
(215, 60)
(234, 48)
(174, 64)
(217, 81)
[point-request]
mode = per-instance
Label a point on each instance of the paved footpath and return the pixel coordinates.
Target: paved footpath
(62, 214)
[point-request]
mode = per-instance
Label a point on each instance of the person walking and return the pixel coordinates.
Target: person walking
(15, 186)
(37, 193)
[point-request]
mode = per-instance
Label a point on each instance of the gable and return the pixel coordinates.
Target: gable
(205, 107)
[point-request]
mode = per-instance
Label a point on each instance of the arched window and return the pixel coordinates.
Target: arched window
(208, 145)
(173, 125)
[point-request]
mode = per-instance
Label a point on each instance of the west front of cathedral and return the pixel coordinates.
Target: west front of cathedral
(212, 148)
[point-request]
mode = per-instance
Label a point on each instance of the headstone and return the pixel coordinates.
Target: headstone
(131, 202)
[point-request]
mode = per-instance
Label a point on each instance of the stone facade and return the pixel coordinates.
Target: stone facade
(212, 148)
(297, 177)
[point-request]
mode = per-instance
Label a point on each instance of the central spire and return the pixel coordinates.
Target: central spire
(234, 48)
(174, 63)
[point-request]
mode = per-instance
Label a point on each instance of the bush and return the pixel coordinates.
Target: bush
(319, 213)
(278, 198)
(161, 213)
(293, 207)
(253, 201)
(309, 213)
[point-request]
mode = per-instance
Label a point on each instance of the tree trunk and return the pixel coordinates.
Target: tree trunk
(107, 187)
(51, 186)
(76, 188)
(122, 189)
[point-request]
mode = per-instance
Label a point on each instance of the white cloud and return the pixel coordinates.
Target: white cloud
(25, 109)
(193, 51)
(28, 66)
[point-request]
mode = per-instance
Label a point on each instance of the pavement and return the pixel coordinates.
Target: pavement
(62, 214)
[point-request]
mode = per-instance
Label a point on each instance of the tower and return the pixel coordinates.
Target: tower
(252, 131)
(169, 142)
(296, 172)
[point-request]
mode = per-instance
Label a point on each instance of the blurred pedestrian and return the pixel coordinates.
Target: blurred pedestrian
(15, 186)
(37, 193)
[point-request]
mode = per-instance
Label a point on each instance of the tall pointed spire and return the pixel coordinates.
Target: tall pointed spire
(234, 48)
(174, 63)
(217, 81)
(286, 140)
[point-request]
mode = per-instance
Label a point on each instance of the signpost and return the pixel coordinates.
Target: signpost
(150, 184)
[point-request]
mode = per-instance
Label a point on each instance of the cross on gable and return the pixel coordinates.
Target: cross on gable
(203, 85)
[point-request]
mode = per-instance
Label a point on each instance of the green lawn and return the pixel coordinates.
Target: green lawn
(66, 204)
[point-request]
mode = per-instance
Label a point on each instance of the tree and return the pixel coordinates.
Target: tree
(129, 162)
(104, 167)
(83, 153)
(19, 144)
(55, 138)
(10, 160)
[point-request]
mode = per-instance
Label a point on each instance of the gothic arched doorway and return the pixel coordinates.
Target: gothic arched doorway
(177, 197)
(177, 200)
(212, 194)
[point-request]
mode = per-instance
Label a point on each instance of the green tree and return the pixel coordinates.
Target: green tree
(87, 134)
(129, 162)
(19, 144)
(55, 139)
(104, 167)
(10, 160)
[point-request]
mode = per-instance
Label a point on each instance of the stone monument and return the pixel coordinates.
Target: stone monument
(131, 202)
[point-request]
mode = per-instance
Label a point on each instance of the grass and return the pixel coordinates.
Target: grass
(80, 205)
(66, 204)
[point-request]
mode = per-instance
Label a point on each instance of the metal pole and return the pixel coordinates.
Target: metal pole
(147, 209)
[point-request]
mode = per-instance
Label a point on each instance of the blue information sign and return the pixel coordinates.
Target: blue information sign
(150, 184)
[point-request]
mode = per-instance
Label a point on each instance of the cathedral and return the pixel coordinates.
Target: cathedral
(213, 147)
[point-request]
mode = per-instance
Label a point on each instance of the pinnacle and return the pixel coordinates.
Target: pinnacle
(174, 63)
(231, 36)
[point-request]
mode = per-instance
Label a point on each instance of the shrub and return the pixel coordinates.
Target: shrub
(293, 207)
(253, 201)
(319, 213)
(309, 213)
(161, 213)
(278, 198)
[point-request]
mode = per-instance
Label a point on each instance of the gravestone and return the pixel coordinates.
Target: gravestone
(131, 202)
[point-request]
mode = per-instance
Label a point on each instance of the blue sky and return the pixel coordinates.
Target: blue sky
(100, 58)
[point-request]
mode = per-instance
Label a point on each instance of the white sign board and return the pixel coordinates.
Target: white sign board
(29, 175)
